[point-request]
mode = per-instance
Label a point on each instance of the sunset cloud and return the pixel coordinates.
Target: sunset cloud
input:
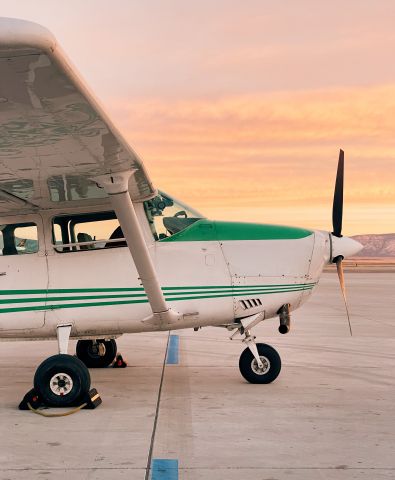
(240, 108)
(278, 150)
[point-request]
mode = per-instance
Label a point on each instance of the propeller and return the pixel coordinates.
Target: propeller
(337, 222)
(337, 210)
(340, 273)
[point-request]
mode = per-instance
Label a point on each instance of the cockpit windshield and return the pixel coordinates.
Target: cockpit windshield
(167, 216)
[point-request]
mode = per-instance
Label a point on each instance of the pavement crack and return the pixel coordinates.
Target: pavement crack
(151, 448)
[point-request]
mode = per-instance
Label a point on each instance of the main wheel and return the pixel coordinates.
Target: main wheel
(97, 354)
(271, 364)
(62, 381)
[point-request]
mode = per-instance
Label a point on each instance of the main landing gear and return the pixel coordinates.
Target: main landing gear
(98, 353)
(258, 363)
(62, 380)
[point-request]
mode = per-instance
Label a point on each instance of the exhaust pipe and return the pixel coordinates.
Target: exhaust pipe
(285, 319)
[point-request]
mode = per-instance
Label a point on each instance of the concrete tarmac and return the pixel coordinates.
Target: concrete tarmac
(329, 415)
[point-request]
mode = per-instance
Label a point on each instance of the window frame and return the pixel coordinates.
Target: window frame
(33, 218)
(156, 234)
(68, 233)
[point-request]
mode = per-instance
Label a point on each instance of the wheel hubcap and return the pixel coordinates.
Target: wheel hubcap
(265, 368)
(97, 350)
(61, 384)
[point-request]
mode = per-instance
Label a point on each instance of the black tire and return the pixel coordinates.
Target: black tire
(61, 368)
(88, 353)
(248, 364)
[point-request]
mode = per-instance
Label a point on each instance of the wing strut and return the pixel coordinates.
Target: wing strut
(116, 186)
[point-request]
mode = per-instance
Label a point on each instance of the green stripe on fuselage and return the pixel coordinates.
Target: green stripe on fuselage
(170, 297)
(135, 291)
(184, 293)
(69, 290)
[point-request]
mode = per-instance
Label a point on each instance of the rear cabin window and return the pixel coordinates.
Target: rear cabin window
(88, 231)
(18, 239)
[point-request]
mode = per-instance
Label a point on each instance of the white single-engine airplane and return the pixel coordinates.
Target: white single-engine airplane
(91, 250)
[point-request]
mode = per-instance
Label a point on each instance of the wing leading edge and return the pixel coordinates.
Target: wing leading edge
(54, 135)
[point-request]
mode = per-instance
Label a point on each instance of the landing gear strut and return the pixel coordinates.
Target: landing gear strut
(98, 353)
(258, 363)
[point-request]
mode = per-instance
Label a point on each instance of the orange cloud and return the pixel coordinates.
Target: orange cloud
(274, 151)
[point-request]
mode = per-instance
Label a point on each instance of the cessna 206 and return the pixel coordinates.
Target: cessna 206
(92, 250)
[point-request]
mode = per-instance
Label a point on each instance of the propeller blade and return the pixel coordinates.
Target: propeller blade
(337, 210)
(340, 273)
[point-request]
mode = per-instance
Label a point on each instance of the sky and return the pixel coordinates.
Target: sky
(240, 108)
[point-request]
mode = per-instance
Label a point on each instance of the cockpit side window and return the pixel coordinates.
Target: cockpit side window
(167, 216)
(18, 238)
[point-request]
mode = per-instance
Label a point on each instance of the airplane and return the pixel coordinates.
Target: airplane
(91, 249)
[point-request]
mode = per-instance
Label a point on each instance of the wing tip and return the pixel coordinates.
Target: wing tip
(18, 33)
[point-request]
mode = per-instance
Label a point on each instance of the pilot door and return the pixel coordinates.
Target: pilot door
(23, 273)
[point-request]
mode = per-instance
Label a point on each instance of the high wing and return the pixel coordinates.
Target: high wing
(58, 148)
(54, 135)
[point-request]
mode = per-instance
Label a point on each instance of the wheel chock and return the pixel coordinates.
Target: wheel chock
(93, 400)
(119, 362)
(32, 401)
(31, 398)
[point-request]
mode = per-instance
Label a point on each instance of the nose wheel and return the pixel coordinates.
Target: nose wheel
(259, 362)
(266, 370)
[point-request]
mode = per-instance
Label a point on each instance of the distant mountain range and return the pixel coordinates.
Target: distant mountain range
(381, 245)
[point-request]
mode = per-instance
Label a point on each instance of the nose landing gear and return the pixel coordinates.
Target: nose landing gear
(259, 362)
(264, 369)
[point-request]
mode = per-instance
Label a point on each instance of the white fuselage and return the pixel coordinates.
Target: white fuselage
(209, 282)
(62, 159)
